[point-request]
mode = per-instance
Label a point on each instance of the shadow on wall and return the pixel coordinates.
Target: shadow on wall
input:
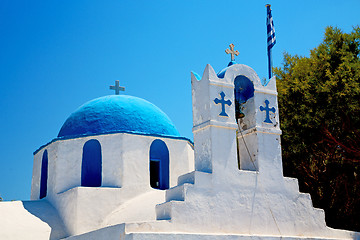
(47, 213)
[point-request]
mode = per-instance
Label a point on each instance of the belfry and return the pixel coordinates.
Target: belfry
(119, 169)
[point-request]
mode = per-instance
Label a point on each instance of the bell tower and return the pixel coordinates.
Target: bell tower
(236, 121)
(214, 125)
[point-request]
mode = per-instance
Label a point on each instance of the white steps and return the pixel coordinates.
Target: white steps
(177, 195)
(198, 178)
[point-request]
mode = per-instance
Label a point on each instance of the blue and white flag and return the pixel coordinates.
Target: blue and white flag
(271, 40)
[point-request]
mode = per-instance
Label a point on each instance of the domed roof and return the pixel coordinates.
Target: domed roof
(118, 113)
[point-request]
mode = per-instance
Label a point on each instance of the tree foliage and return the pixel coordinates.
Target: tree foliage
(319, 99)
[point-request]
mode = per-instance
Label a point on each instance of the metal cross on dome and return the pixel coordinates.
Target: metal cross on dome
(117, 87)
(232, 52)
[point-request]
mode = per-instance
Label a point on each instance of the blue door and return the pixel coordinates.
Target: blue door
(159, 165)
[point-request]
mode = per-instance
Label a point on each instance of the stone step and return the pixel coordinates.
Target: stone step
(177, 193)
(321, 214)
(292, 185)
(163, 210)
(195, 177)
(305, 198)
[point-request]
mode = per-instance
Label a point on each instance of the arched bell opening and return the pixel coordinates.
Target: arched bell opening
(243, 91)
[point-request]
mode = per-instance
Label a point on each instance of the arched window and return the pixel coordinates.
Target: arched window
(91, 166)
(159, 165)
(44, 175)
(244, 89)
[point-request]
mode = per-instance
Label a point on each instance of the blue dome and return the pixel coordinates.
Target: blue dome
(118, 113)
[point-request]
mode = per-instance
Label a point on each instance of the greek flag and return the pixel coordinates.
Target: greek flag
(271, 40)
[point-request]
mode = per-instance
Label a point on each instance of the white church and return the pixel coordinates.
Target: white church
(119, 169)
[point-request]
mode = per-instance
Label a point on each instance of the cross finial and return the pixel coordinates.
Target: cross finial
(117, 88)
(232, 52)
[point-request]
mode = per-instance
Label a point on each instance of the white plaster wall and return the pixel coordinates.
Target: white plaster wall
(224, 152)
(137, 209)
(69, 158)
(205, 91)
(17, 223)
(202, 149)
(243, 204)
(66, 205)
(125, 160)
(216, 87)
(65, 157)
(231, 201)
(52, 150)
(30, 220)
(115, 232)
(258, 140)
(181, 159)
(200, 88)
(269, 155)
(136, 157)
(214, 135)
(260, 99)
(113, 162)
(125, 177)
(136, 160)
(35, 180)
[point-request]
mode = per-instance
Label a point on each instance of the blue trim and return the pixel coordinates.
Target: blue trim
(115, 132)
(265, 82)
(231, 63)
(196, 75)
(221, 74)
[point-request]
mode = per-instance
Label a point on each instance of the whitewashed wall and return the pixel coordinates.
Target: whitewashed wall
(125, 175)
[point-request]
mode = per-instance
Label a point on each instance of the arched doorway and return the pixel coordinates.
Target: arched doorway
(159, 165)
(44, 175)
(91, 166)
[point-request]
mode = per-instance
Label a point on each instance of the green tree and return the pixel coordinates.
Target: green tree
(319, 99)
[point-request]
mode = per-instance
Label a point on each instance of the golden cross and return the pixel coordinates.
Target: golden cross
(232, 52)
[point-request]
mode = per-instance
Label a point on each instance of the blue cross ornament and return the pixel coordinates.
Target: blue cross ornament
(223, 103)
(267, 110)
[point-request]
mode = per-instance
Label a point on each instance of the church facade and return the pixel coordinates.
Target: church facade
(120, 170)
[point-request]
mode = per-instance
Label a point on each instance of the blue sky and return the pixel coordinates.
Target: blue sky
(57, 55)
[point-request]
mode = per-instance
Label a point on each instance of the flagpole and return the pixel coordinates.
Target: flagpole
(270, 37)
(270, 63)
